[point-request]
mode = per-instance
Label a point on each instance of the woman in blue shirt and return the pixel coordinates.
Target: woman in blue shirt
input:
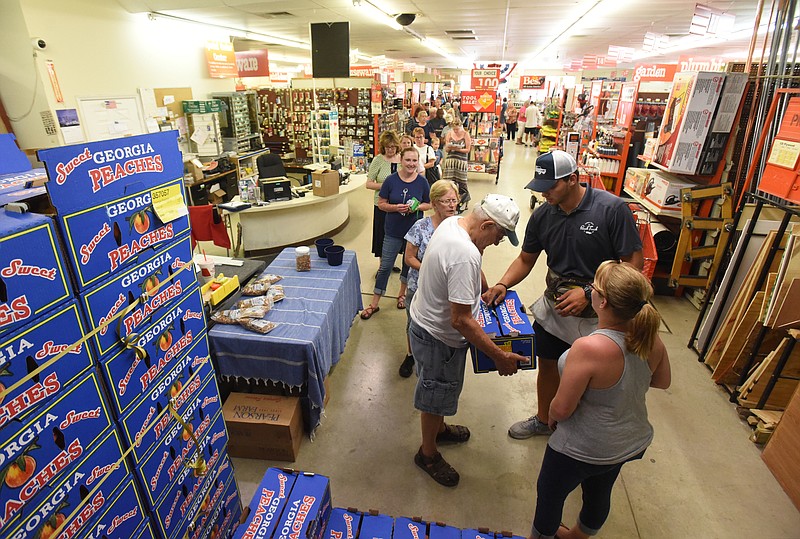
(404, 195)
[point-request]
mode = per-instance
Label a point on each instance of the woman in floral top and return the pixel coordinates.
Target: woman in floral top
(444, 199)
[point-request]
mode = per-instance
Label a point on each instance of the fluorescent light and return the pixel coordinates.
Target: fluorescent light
(383, 17)
(237, 32)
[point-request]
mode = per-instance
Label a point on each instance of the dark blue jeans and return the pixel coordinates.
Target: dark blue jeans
(559, 476)
(391, 247)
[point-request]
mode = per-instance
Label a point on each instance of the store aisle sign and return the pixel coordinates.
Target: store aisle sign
(531, 82)
(485, 79)
(252, 63)
(627, 104)
(278, 76)
(700, 63)
(221, 60)
(478, 101)
(654, 72)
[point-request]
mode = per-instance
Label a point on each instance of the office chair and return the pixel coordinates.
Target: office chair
(270, 166)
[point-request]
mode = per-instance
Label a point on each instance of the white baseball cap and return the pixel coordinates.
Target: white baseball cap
(551, 167)
(503, 211)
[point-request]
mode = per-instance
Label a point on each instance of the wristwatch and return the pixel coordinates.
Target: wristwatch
(587, 291)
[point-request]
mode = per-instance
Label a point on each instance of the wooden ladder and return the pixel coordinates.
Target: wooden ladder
(687, 252)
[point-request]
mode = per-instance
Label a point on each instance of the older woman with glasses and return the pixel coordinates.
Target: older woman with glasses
(599, 409)
(444, 199)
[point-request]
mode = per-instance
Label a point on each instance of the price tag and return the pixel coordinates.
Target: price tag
(168, 203)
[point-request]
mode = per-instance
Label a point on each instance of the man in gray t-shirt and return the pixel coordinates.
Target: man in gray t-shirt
(578, 229)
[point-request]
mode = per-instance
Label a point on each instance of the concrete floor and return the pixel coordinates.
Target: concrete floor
(701, 477)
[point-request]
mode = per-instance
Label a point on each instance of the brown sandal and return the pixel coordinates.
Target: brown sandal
(454, 434)
(401, 301)
(437, 468)
(368, 311)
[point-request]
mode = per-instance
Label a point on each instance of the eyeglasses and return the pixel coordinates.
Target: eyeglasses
(449, 201)
(596, 289)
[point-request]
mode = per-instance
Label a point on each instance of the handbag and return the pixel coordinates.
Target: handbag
(558, 285)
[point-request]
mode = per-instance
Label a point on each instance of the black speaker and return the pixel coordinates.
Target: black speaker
(330, 49)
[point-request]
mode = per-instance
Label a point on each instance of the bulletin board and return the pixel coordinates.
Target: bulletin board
(179, 94)
(111, 117)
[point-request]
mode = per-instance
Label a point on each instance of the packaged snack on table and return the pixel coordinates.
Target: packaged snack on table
(276, 292)
(232, 316)
(265, 301)
(258, 325)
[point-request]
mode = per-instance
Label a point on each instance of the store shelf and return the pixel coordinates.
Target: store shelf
(650, 207)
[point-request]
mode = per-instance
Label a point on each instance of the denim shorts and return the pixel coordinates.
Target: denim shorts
(441, 372)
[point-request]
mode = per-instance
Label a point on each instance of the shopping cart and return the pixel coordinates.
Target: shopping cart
(649, 252)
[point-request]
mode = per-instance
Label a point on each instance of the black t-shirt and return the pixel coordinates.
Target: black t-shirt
(601, 228)
(435, 126)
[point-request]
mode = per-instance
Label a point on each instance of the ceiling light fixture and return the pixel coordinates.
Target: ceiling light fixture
(564, 32)
(238, 32)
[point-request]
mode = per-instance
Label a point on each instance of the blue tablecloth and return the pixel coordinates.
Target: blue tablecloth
(313, 325)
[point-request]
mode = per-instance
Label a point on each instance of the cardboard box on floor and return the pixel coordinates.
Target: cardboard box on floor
(263, 426)
(325, 183)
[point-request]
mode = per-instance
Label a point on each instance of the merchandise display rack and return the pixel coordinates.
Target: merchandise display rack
(239, 122)
(487, 146)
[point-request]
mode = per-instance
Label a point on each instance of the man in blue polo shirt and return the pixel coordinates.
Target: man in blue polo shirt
(578, 229)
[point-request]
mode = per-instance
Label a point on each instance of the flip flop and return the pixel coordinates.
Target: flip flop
(401, 302)
(368, 311)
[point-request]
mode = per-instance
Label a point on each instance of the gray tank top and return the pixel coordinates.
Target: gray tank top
(609, 425)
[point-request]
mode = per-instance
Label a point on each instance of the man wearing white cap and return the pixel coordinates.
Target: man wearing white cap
(443, 323)
(578, 229)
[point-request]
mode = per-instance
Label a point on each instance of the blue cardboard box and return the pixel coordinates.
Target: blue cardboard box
(408, 528)
(375, 526)
(165, 471)
(267, 504)
(108, 517)
(208, 514)
(439, 530)
(307, 509)
(509, 329)
(110, 236)
(108, 298)
(19, 186)
(82, 175)
(50, 443)
(57, 498)
(165, 341)
(33, 278)
(229, 519)
(26, 349)
(343, 524)
(180, 506)
(487, 320)
(145, 531)
(196, 401)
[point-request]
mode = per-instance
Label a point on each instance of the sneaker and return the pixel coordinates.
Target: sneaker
(529, 427)
(407, 367)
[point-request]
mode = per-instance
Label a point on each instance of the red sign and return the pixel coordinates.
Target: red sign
(51, 72)
(478, 101)
(252, 63)
(531, 82)
(654, 72)
(362, 71)
(485, 79)
(780, 175)
(221, 60)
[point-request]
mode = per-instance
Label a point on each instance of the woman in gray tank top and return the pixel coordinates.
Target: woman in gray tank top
(599, 413)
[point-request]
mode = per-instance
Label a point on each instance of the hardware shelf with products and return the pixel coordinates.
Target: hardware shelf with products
(277, 129)
(486, 151)
(321, 134)
(203, 124)
(239, 122)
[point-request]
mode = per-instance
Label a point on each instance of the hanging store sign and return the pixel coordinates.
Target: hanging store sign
(221, 60)
(376, 98)
(699, 63)
(252, 63)
(478, 101)
(654, 72)
(51, 72)
(485, 79)
(780, 176)
(278, 77)
(532, 82)
(362, 71)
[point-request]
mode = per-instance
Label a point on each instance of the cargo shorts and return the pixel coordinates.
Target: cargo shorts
(440, 371)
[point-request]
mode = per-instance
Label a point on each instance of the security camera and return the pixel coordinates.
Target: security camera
(38, 43)
(404, 19)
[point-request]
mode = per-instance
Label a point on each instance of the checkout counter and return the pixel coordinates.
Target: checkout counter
(298, 220)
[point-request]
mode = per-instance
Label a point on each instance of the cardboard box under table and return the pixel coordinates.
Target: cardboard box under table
(263, 426)
(510, 329)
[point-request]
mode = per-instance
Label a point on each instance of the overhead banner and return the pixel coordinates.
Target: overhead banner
(654, 72)
(252, 63)
(362, 71)
(221, 60)
(478, 101)
(485, 79)
(531, 82)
